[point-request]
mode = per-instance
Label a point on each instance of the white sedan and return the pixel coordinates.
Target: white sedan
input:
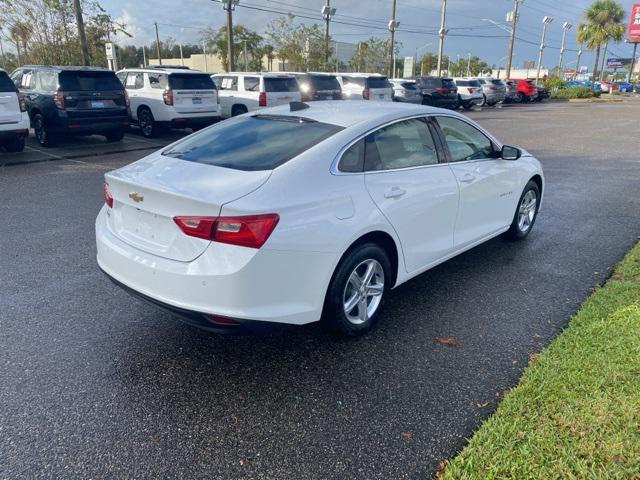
(309, 212)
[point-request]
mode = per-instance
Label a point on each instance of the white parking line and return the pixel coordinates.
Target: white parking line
(57, 157)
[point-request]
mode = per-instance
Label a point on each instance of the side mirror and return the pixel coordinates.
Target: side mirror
(510, 153)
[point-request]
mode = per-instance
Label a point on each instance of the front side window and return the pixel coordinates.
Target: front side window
(28, 80)
(251, 84)
(464, 141)
(404, 144)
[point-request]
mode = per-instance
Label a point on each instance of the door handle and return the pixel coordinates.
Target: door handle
(394, 192)
(467, 178)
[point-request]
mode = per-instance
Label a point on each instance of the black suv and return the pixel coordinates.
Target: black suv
(438, 92)
(319, 86)
(73, 100)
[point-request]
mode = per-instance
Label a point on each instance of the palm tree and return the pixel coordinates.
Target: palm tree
(604, 23)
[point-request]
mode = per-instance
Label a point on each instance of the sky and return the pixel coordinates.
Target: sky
(467, 21)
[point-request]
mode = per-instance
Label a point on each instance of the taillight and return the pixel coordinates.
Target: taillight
(23, 105)
(107, 194)
(246, 231)
(126, 99)
(167, 96)
(262, 99)
(470, 89)
(58, 99)
(442, 90)
(365, 93)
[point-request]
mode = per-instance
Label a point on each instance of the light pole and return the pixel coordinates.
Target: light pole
(469, 65)
(545, 22)
(578, 62)
(513, 16)
(393, 24)
(566, 26)
(441, 34)
(327, 13)
(229, 6)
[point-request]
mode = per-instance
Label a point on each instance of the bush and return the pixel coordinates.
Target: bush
(553, 84)
(574, 92)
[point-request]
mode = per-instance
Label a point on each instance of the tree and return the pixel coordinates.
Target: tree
(604, 23)
(245, 41)
(372, 55)
(301, 46)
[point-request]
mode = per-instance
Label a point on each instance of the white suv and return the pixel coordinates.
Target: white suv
(244, 92)
(14, 119)
(365, 86)
(164, 98)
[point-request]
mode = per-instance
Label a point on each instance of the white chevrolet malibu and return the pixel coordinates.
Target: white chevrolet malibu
(309, 212)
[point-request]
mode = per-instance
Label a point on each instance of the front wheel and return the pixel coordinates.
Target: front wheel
(526, 214)
(356, 293)
(114, 135)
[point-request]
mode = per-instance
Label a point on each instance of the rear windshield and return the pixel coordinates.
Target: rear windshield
(324, 82)
(464, 83)
(89, 81)
(378, 82)
(191, 81)
(496, 82)
(409, 86)
(259, 142)
(448, 83)
(281, 85)
(6, 85)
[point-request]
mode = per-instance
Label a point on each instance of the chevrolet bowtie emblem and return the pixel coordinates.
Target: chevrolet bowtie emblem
(135, 197)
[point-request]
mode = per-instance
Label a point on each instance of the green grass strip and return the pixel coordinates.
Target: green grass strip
(575, 413)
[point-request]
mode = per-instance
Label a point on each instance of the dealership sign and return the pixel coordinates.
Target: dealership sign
(634, 23)
(617, 62)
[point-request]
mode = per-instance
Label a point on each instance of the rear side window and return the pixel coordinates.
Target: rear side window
(158, 80)
(259, 142)
(135, 81)
(6, 85)
(47, 81)
(252, 84)
(89, 81)
(378, 82)
(324, 82)
(193, 81)
(281, 85)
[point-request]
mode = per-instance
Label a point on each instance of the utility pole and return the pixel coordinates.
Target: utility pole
(229, 6)
(84, 49)
(545, 21)
(181, 56)
(604, 60)
(578, 62)
(246, 62)
(204, 54)
(633, 61)
(469, 65)
(441, 33)
(327, 13)
(144, 56)
(158, 44)
(513, 16)
(393, 24)
(566, 26)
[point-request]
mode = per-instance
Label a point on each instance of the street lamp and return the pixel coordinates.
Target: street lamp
(566, 26)
(545, 22)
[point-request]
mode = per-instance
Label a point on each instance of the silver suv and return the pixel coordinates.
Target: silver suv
(494, 91)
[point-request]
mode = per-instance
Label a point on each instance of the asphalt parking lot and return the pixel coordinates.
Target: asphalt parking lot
(97, 384)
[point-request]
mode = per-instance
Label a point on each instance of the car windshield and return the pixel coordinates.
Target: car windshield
(281, 85)
(378, 82)
(89, 81)
(191, 81)
(6, 85)
(324, 82)
(259, 142)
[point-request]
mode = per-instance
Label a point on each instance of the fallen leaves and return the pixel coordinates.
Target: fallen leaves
(440, 468)
(448, 341)
(533, 357)
(482, 405)
(406, 435)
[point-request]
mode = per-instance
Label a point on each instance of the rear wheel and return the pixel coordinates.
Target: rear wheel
(238, 110)
(484, 100)
(520, 97)
(467, 106)
(114, 135)
(147, 123)
(526, 214)
(15, 144)
(43, 137)
(356, 293)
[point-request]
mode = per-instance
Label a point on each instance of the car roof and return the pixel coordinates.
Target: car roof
(347, 114)
(258, 74)
(168, 70)
(70, 68)
(359, 74)
(410, 80)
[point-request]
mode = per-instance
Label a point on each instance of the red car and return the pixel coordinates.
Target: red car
(608, 87)
(526, 91)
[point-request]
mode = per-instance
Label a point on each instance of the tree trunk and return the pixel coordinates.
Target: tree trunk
(595, 65)
(84, 49)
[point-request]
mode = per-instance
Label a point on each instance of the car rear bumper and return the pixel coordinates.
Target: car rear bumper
(88, 124)
(15, 129)
(232, 282)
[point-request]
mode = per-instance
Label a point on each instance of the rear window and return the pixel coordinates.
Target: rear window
(281, 85)
(259, 142)
(89, 81)
(409, 86)
(448, 83)
(463, 83)
(496, 82)
(378, 82)
(324, 82)
(191, 81)
(6, 85)
(357, 80)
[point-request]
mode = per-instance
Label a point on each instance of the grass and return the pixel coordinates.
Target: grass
(576, 412)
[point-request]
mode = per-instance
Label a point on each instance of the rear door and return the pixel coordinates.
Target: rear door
(9, 105)
(134, 83)
(281, 90)
(380, 89)
(193, 93)
(92, 94)
(227, 91)
(417, 194)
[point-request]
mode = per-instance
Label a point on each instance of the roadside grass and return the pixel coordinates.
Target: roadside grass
(575, 413)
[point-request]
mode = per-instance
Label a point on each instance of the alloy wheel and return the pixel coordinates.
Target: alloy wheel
(527, 211)
(363, 292)
(146, 124)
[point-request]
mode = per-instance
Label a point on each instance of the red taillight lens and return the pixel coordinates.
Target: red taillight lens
(470, 89)
(126, 99)
(365, 94)
(167, 95)
(23, 105)
(58, 99)
(262, 99)
(442, 90)
(246, 231)
(107, 195)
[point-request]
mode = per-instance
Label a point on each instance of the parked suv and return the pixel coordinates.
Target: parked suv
(526, 91)
(14, 120)
(163, 98)
(244, 92)
(494, 91)
(469, 92)
(318, 86)
(438, 92)
(365, 86)
(406, 91)
(73, 100)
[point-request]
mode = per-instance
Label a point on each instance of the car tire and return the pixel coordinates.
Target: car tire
(114, 135)
(354, 298)
(238, 110)
(148, 125)
(526, 213)
(467, 106)
(42, 135)
(520, 97)
(484, 101)
(15, 144)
